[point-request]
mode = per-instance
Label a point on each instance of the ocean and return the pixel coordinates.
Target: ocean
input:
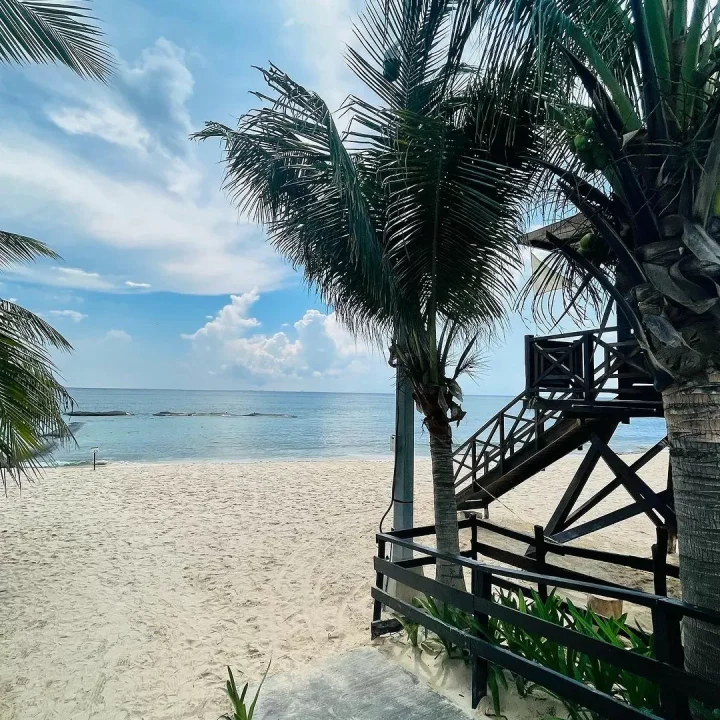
(258, 425)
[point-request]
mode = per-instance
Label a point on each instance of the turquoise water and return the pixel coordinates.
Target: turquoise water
(289, 425)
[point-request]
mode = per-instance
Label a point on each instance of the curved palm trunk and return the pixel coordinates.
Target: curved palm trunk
(692, 412)
(445, 505)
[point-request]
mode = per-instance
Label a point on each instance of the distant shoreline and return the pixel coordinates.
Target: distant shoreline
(106, 462)
(270, 392)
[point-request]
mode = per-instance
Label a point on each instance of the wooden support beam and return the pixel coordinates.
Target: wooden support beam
(600, 495)
(637, 487)
(611, 518)
(558, 521)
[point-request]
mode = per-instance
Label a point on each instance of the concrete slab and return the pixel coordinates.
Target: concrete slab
(360, 685)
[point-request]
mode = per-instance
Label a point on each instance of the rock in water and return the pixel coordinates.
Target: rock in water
(99, 413)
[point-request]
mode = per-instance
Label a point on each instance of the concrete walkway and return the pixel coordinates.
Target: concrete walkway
(360, 685)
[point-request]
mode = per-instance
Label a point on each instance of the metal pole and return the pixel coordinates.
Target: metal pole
(404, 461)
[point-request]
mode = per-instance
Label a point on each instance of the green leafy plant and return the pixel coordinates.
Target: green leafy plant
(412, 630)
(240, 710)
(450, 615)
(606, 677)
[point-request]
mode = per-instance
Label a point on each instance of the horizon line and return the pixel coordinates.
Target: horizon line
(307, 392)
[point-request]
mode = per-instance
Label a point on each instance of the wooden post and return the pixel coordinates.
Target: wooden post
(589, 366)
(540, 554)
(481, 587)
(473, 537)
(404, 469)
(379, 579)
(669, 649)
(529, 363)
(659, 558)
(501, 443)
(474, 464)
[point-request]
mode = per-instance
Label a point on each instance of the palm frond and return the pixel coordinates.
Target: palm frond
(32, 401)
(46, 31)
(21, 249)
(287, 167)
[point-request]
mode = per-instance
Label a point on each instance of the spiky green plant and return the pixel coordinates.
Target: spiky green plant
(238, 701)
(604, 676)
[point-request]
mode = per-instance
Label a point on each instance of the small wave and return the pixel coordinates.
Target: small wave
(80, 463)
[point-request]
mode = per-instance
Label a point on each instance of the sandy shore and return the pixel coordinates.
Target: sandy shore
(126, 591)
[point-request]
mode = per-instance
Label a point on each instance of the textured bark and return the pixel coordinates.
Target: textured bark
(692, 412)
(445, 506)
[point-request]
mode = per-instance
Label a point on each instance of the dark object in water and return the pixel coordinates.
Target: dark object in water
(168, 413)
(101, 413)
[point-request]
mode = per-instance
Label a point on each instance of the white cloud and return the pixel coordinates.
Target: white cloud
(73, 315)
(140, 285)
(63, 277)
(208, 251)
(153, 92)
(148, 194)
(330, 20)
(319, 349)
(231, 320)
(105, 121)
(117, 335)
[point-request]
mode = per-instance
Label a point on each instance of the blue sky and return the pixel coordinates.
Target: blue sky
(162, 284)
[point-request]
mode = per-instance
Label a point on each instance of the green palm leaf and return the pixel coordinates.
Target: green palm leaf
(43, 31)
(32, 401)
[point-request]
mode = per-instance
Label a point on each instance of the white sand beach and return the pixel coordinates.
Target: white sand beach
(126, 591)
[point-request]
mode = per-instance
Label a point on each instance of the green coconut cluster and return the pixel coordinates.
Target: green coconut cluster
(589, 148)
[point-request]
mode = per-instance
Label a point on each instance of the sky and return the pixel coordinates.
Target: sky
(162, 284)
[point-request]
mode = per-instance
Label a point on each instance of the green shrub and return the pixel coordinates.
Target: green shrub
(603, 676)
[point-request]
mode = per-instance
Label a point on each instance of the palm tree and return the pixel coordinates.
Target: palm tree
(31, 399)
(640, 109)
(407, 222)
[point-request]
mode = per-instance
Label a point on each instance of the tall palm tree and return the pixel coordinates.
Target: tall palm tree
(407, 222)
(31, 399)
(640, 109)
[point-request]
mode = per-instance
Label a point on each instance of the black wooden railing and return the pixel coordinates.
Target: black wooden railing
(666, 669)
(518, 425)
(588, 364)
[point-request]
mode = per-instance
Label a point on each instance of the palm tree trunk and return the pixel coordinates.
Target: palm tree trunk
(692, 412)
(446, 525)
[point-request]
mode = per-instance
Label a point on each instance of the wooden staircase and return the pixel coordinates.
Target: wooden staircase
(564, 437)
(579, 387)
